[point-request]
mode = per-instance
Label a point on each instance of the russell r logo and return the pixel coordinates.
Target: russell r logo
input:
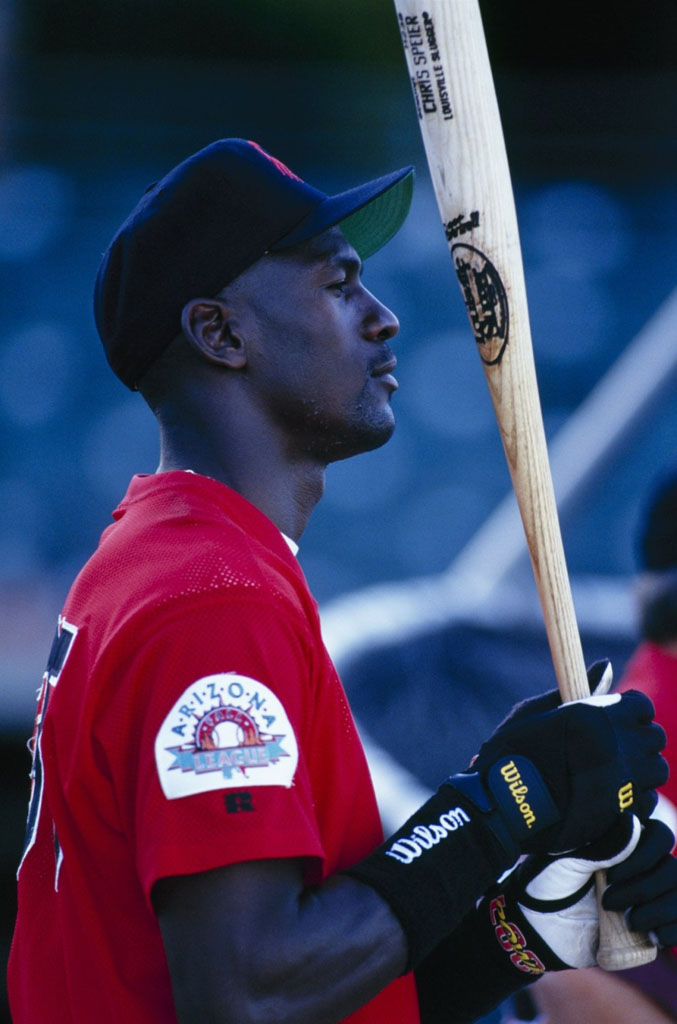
(236, 802)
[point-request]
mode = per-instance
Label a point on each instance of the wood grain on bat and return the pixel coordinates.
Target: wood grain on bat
(460, 123)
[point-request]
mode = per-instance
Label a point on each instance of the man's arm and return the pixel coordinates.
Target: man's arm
(248, 943)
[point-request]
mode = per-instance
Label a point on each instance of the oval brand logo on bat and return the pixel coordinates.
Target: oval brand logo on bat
(485, 299)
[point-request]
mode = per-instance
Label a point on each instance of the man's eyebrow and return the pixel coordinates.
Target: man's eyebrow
(350, 264)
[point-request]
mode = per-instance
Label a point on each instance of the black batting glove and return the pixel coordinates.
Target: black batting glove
(561, 775)
(434, 868)
(549, 779)
(644, 887)
(543, 917)
(545, 913)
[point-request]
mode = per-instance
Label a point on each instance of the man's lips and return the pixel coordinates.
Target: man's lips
(383, 372)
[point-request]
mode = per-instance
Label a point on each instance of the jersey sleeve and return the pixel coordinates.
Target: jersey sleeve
(212, 717)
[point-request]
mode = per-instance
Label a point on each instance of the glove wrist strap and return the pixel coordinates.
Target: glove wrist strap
(471, 786)
(488, 954)
(433, 869)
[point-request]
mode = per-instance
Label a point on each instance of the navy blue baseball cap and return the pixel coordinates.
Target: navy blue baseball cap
(208, 220)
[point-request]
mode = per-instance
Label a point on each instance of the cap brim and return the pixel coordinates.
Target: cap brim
(369, 215)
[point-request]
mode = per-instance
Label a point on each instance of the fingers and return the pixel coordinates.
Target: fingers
(654, 846)
(558, 878)
(646, 804)
(655, 738)
(615, 846)
(659, 736)
(641, 742)
(637, 706)
(650, 771)
(651, 737)
(658, 918)
(644, 886)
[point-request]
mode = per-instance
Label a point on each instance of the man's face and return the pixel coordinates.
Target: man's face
(319, 357)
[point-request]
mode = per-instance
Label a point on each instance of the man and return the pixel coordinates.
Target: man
(203, 840)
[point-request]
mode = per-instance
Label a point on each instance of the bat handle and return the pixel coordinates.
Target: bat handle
(619, 948)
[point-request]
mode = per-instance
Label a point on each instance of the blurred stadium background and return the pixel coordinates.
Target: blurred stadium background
(431, 614)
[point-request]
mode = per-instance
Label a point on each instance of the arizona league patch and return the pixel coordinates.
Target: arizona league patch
(225, 731)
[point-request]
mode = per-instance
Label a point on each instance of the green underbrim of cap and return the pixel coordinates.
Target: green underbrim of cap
(369, 228)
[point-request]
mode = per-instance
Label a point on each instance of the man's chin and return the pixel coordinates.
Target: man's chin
(366, 439)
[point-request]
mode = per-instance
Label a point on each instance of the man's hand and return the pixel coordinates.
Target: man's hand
(550, 904)
(644, 886)
(545, 913)
(559, 776)
(543, 918)
(550, 779)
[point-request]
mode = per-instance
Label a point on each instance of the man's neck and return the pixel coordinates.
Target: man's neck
(286, 493)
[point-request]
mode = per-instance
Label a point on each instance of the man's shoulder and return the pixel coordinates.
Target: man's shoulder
(172, 548)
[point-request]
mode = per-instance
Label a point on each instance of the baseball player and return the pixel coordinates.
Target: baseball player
(203, 841)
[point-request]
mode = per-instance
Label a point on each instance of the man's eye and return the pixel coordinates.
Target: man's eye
(339, 287)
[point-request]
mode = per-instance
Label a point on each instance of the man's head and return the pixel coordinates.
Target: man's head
(294, 348)
(204, 224)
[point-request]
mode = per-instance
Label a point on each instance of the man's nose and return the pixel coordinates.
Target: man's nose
(380, 323)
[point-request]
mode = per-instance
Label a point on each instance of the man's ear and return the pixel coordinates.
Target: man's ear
(208, 325)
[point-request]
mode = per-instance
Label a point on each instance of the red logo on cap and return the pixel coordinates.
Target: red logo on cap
(282, 168)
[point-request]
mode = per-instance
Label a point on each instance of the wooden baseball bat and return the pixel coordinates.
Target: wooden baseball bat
(459, 118)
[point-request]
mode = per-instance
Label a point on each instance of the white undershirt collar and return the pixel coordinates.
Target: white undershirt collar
(293, 546)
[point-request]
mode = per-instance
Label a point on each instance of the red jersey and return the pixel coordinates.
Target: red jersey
(190, 717)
